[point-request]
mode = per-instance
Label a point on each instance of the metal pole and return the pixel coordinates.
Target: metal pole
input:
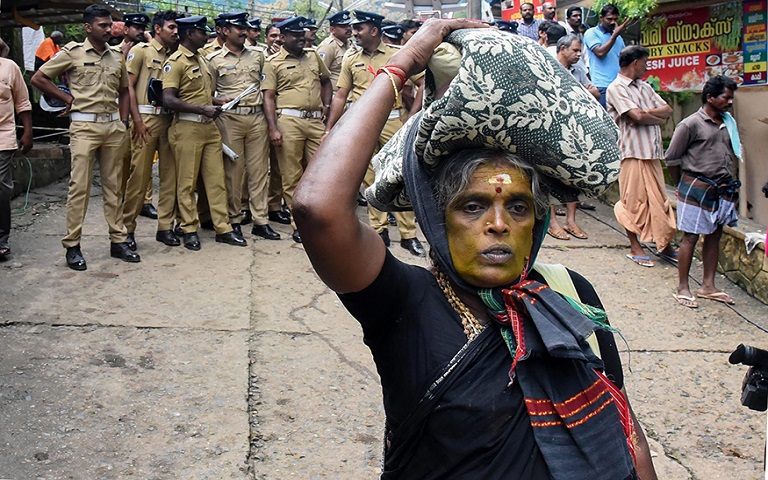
(475, 9)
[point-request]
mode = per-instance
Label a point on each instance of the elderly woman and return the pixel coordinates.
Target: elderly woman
(486, 372)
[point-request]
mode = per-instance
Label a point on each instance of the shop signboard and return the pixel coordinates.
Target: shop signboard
(510, 9)
(689, 46)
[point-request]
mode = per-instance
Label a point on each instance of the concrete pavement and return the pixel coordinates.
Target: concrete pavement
(239, 363)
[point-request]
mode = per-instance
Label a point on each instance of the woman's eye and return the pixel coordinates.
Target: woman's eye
(518, 208)
(472, 208)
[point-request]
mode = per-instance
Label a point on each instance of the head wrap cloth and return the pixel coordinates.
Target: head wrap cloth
(505, 93)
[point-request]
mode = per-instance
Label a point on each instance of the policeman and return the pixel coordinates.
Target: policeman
(332, 49)
(219, 22)
(254, 34)
(357, 72)
(136, 25)
(297, 93)
(97, 78)
(188, 90)
(392, 34)
(244, 129)
(150, 130)
(310, 33)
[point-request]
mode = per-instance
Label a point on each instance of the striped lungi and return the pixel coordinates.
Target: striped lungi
(703, 205)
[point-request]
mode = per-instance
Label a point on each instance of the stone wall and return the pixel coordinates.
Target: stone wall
(48, 163)
(749, 271)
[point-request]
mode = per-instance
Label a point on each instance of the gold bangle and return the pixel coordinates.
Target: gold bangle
(394, 87)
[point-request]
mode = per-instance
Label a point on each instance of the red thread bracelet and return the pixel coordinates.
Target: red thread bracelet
(388, 71)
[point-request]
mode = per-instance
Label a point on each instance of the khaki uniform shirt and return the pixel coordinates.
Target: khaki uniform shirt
(189, 73)
(359, 68)
(94, 79)
(295, 80)
(233, 73)
(146, 61)
(331, 51)
(211, 47)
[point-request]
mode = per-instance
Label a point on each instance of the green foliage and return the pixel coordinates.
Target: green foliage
(637, 9)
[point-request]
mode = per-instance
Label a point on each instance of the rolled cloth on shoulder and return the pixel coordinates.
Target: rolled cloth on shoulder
(506, 93)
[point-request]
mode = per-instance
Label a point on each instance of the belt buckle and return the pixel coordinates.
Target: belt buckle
(305, 113)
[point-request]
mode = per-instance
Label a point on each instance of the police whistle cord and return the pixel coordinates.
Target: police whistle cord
(690, 278)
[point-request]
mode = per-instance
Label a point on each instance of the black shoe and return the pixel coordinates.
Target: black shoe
(236, 228)
(131, 242)
(384, 234)
(167, 237)
(231, 238)
(279, 217)
(207, 225)
(361, 200)
(191, 241)
(178, 231)
(5, 250)
(414, 246)
(247, 217)
(75, 259)
(285, 209)
(265, 231)
(296, 237)
(391, 219)
(148, 210)
(121, 251)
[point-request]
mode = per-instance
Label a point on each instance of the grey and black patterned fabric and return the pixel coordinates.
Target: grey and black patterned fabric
(512, 95)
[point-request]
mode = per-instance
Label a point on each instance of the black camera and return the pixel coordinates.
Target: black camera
(754, 389)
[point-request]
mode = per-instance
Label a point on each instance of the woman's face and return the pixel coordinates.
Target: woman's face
(490, 226)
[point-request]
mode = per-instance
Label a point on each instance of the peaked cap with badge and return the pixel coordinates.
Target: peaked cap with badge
(367, 17)
(293, 24)
(254, 23)
(232, 18)
(340, 18)
(395, 32)
(136, 19)
(196, 21)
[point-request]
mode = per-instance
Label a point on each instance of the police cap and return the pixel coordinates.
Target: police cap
(136, 19)
(196, 21)
(254, 23)
(311, 24)
(340, 18)
(395, 32)
(367, 17)
(232, 18)
(293, 24)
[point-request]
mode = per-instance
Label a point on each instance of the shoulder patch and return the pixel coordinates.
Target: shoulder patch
(56, 55)
(322, 54)
(167, 68)
(130, 57)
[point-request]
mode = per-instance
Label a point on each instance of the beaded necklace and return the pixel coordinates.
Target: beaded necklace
(471, 325)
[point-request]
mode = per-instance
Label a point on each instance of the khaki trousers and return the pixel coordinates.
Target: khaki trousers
(301, 138)
(197, 150)
(275, 194)
(406, 221)
(142, 157)
(248, 136)
(87, 140)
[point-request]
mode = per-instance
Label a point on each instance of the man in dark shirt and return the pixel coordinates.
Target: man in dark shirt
(701, 160)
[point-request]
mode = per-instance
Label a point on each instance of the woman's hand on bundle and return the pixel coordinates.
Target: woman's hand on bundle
(413, 57)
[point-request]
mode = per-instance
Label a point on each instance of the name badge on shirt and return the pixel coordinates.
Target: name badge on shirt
(196, 69)
(359, 64)
(89, 64)
(290, 67)
(154, 60)
(230, 67)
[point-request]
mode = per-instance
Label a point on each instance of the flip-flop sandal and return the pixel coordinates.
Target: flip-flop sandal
(586, 206)
(643, 261)
(670, 258)
(721, 297)
(4, 251)
(685, 300)
(559, 234)
(560, 211)
(577, 232)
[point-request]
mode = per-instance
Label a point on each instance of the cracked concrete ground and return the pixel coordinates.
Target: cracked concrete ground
(238, 363)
